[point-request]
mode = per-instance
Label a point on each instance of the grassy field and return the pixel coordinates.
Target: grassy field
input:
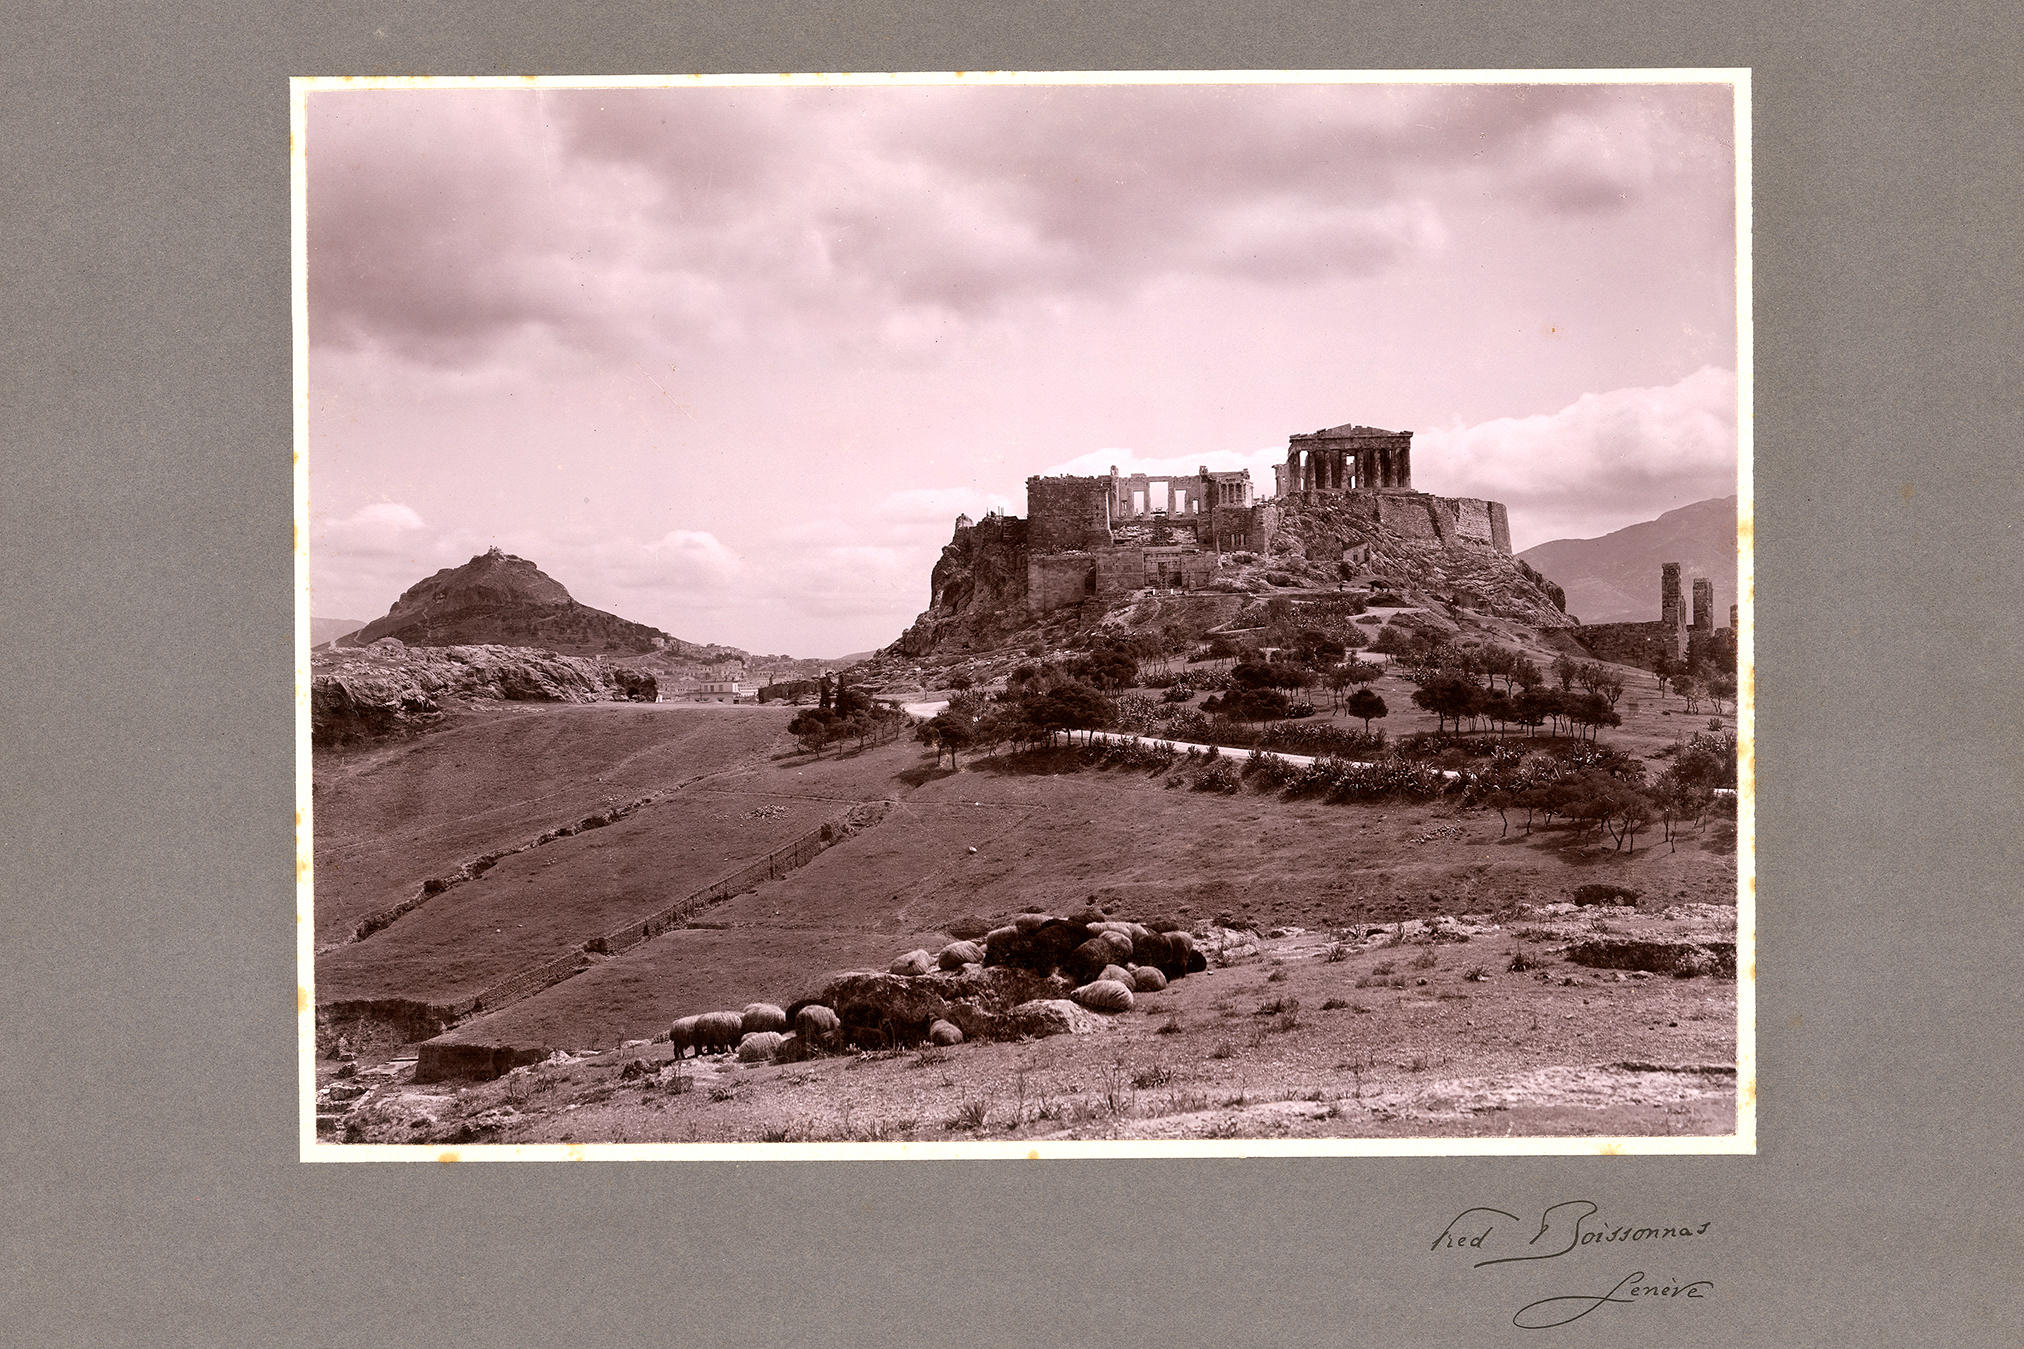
(1050, 835)
(390, 817)
(1382, 1041)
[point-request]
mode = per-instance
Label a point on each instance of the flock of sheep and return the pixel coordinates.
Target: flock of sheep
(1108, 961)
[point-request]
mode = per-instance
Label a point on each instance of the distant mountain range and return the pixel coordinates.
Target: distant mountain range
(323, 630)
(1615, 578)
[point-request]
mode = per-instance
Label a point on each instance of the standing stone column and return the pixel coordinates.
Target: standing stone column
(1704, 603)
(1405, 465)
(1672, 612)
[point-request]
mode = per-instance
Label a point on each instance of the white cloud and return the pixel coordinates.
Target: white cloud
(1604, 461)
(380, 529)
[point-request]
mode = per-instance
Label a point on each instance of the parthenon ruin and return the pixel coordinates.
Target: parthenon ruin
(1347, 458)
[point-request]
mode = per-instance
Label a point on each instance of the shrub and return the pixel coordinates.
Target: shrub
(1522, 961)
(1220, 776)
(970, 1114)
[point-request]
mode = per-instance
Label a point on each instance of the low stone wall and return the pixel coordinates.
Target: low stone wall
(1639, 644)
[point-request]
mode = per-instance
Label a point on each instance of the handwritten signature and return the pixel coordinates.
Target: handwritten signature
(1563, 1226)
(1549, 1312)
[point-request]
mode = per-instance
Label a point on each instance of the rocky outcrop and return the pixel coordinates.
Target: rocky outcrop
(390, 689)
(1405, 541)
(977, 592)
(983, 594)
(499, 599)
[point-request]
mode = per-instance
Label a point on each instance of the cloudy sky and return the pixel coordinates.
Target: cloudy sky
(729, 361)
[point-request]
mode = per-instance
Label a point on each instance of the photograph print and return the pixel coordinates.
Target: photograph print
(1052, 615)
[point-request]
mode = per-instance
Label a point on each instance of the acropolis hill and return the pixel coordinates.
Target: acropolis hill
(1343, 516)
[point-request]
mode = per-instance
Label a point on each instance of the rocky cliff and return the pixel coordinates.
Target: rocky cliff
(1419, 548)
(499, 599)
(977, 591)
(1408, 543)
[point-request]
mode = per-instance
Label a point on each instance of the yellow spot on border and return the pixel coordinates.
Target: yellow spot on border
(572, 1152)
(301, 999)
(447, 1157)
(1034, 1155)
(1749, 1092)
(1611, 1150)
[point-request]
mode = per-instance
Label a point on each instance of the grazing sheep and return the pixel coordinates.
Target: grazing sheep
(1117, 974)
(1118, 942)
(1087, 961)
(945, 1033)
(960, 953)
(1104, 995)
(817, 1025)
(913, 962)
(718, 1030)
(1171, 953)
(760, 1016)
(1029, 923)
(759, 1046)
(1147, 979)
(682, 1035)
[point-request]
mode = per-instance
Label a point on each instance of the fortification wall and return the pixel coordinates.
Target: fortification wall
(1408, 516)
(1500, 529)
(1059, 580)
(1119, 571)
(1469, 517)
(1067, 513)
(1639, 644)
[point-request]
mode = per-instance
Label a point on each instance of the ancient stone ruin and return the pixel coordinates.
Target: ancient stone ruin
(1673, 637)
(1096, 539)
(1100, 537)
(1347, 458)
